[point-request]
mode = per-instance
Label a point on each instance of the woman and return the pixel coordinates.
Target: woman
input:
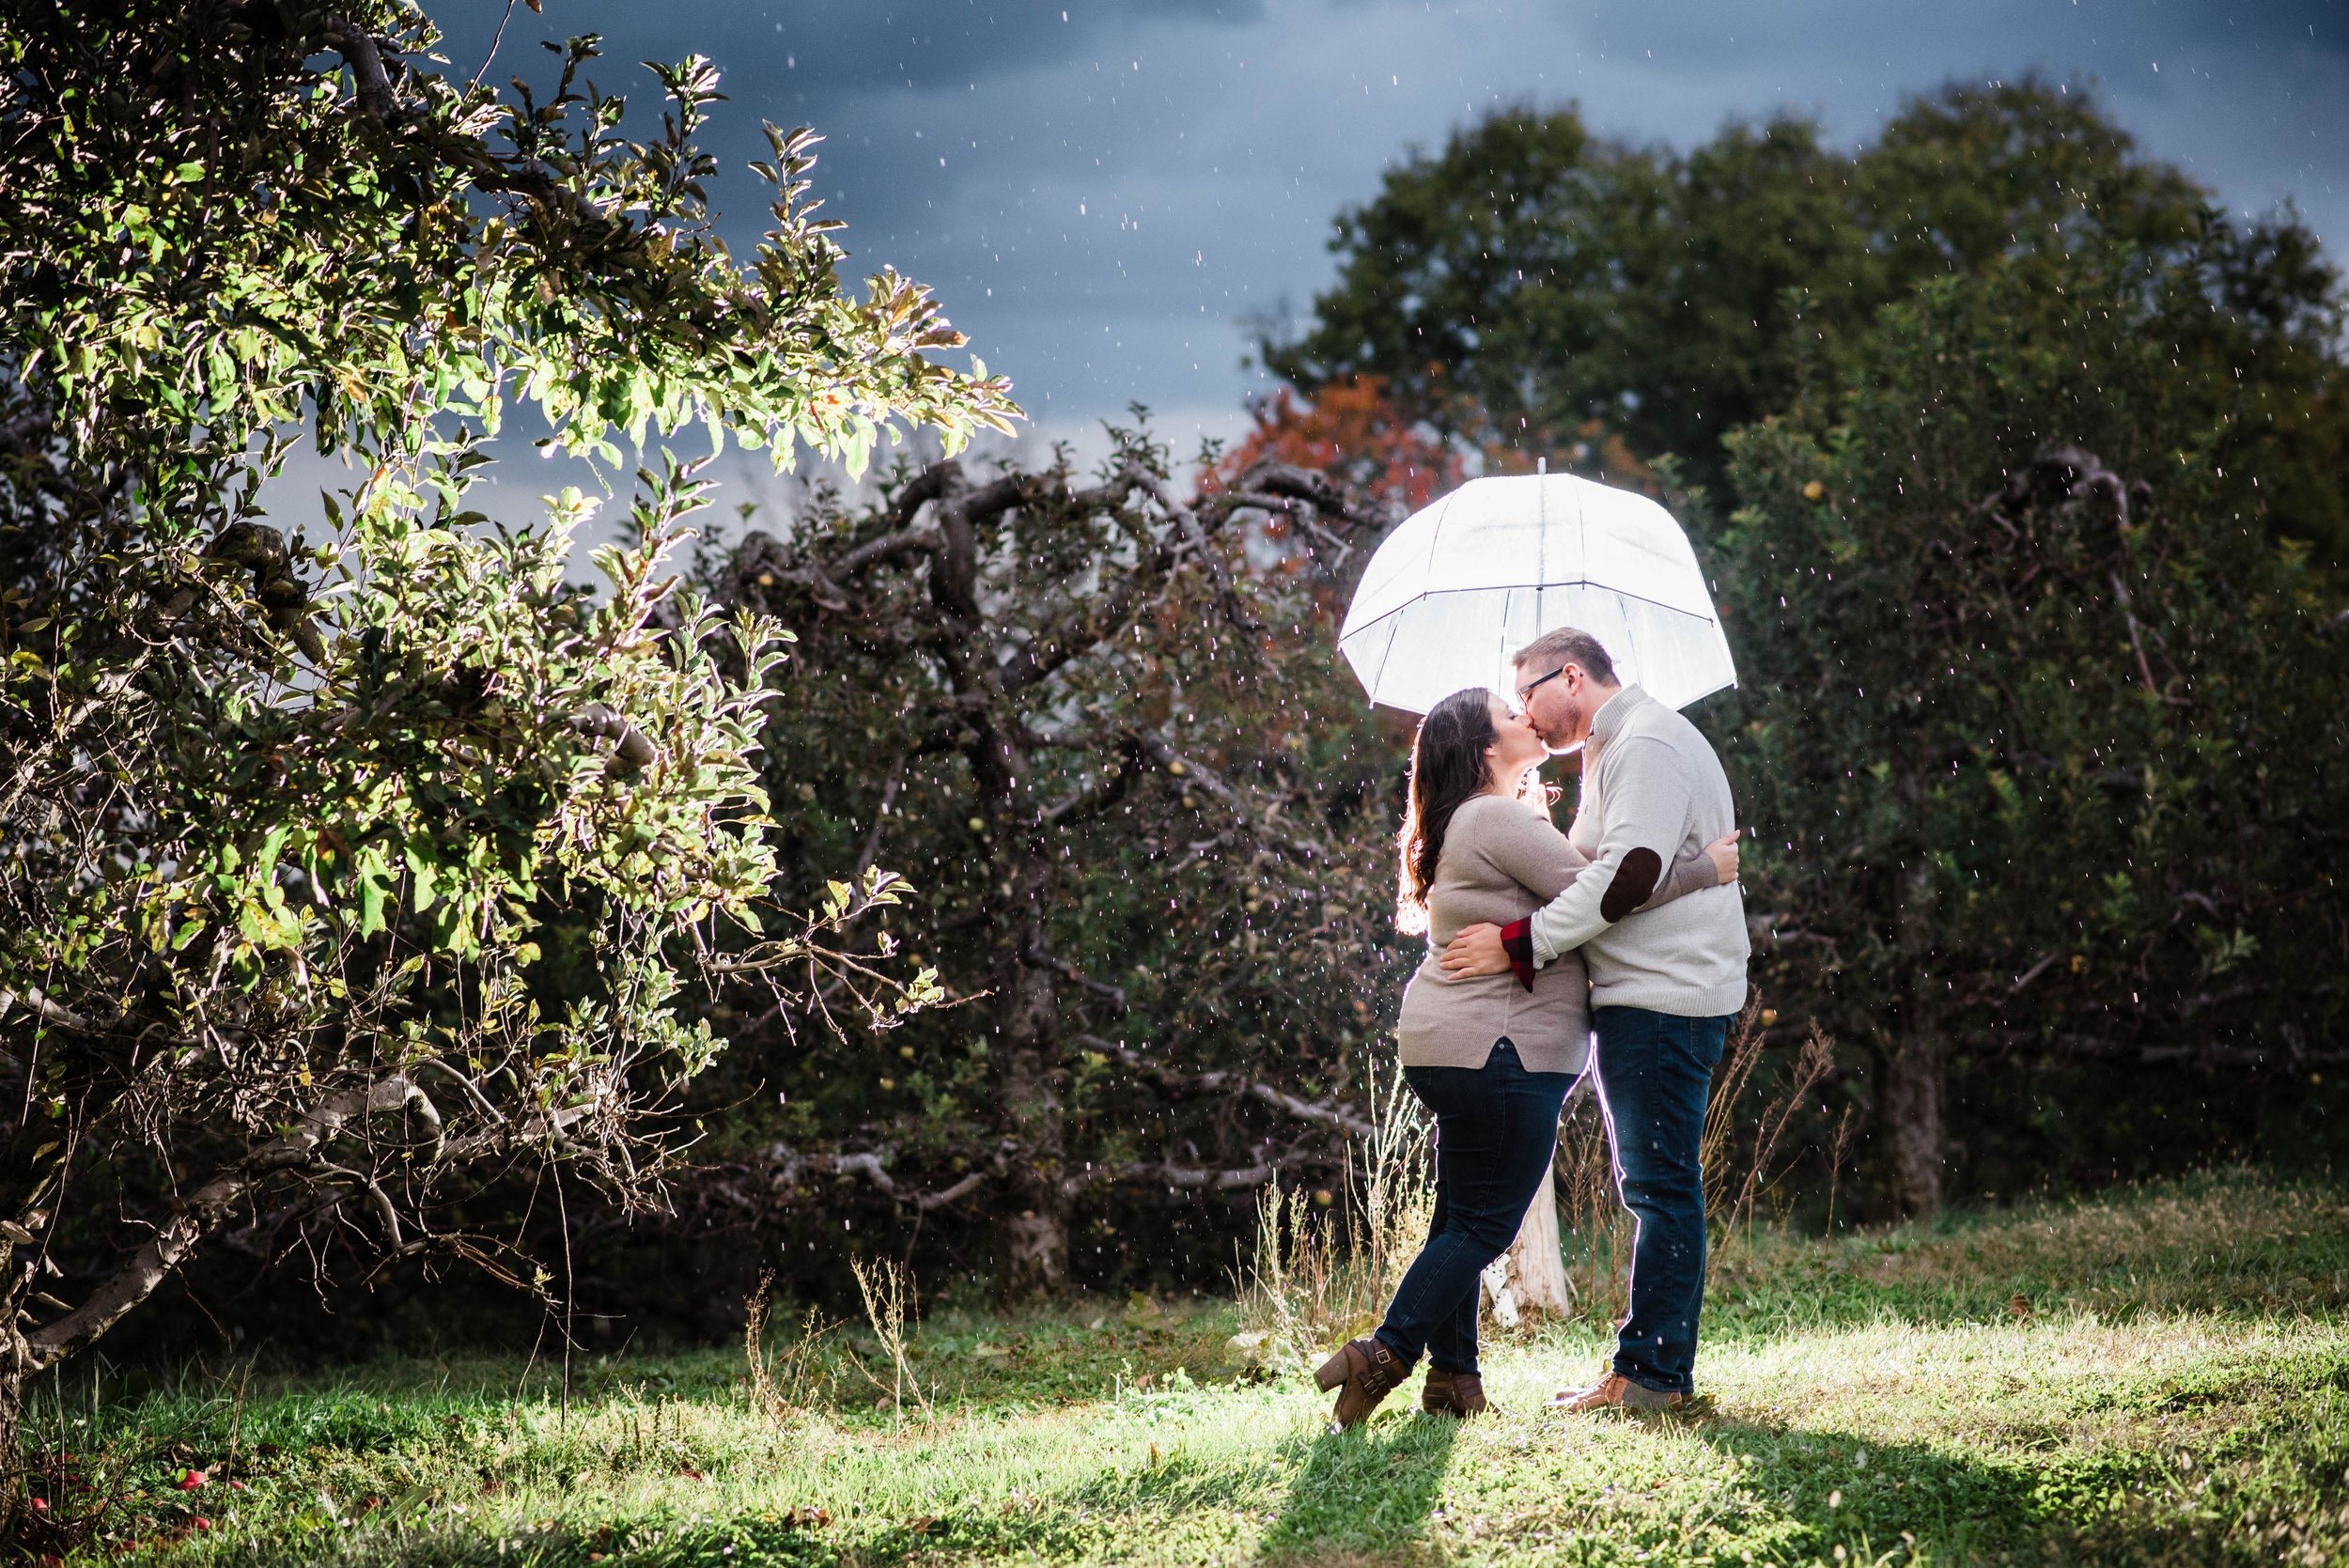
(1492, 1060)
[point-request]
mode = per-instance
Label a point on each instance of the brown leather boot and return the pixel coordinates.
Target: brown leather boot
(1368, 1372)
(1614, 1391)
(1453, 1393)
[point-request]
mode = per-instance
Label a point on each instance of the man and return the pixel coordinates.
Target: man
(1664, 982)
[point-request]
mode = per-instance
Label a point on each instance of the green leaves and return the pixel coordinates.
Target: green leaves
(2026, 719)
(423, 881)
(1536, 286)
(303, 785)
(372, 882)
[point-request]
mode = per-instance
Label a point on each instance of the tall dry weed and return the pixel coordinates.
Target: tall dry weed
(1742, 1157)
(887, 1292)
(1322, 1273)
(1594, 1232)
(786, 1382)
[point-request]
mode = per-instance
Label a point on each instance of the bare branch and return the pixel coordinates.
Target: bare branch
(378, 1199)
(1036, 957)
(1180, 1085)
(925, 486)
(939, 1199)
(2031, 973)
(527, 179)
(788, 1167)
(881, 816)
(1196, 536)
(1096, 794)
(1162, 750)
(2144, 667)
(205, 1209)
(1195, 1177)
(33, 1001)
(994, 497)
(598, 722)
(890, 547)
(479, 1101)
(27, 431)
(1190, 1178)
(366, 60)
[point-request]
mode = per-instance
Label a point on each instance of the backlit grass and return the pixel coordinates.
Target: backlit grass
(2159, 1376)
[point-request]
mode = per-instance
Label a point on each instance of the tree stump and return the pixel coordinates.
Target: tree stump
(1537, 1265)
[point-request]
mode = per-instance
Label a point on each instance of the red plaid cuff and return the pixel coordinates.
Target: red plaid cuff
(1517, 937)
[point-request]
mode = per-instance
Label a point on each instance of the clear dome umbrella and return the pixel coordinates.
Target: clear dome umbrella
(1453, 592)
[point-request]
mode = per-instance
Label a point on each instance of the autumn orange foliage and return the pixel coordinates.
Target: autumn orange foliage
(1591, 450)
(1353, 430)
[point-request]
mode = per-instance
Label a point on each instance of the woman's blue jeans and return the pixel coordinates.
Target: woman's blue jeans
(1496, 1128)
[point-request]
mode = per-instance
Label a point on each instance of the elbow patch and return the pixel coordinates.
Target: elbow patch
(1635, 882)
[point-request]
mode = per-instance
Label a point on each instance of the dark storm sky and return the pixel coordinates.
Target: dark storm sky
(1103, 195)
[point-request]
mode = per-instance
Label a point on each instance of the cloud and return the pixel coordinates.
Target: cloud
(835, 49)
(1103, 203)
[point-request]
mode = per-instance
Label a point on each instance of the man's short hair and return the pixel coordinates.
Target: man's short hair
(1565, 645)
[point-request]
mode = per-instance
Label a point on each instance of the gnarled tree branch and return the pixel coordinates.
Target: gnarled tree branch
(598, 722)
(366, 59)
(204, 1209)
(1180, 1085)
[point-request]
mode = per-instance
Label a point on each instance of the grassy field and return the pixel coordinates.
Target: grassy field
(2160, 1376)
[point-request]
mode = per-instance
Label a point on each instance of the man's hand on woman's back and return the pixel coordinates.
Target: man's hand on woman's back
(1477, 950)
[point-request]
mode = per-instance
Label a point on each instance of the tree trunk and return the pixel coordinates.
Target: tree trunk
(13, 1359)
(1032, 1233)
(1908, 1076)
(1537, 1264)
(1909, 1118)
(1031, 1226)
(1031, 1230)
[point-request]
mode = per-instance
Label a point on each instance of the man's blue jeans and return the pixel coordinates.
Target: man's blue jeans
(1496, 1129)
(1655, 1073)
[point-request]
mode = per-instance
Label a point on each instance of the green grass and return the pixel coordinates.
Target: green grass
(2157, 1377)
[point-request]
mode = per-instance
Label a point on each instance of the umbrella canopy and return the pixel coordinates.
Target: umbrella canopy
(1451, 594)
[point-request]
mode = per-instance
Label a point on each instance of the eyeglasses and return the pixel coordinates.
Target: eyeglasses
(1524, 692)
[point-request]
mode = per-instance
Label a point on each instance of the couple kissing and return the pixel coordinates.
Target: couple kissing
(1618, 948)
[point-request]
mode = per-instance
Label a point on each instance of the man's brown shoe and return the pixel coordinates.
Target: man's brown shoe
(1453, 1393)
(1614, 1391)
(1363, 1371)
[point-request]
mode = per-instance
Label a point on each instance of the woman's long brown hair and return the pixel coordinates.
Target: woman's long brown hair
(1447, 767)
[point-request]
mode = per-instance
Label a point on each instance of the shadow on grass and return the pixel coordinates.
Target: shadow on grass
(1365, 1492)
(1808, 1491)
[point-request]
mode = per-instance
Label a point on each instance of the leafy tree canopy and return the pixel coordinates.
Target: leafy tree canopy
(2037, 729)
(1351, 429)
(346, 856)
(1535, 284)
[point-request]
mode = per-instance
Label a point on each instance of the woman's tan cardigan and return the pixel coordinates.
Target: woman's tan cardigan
(1501, 860)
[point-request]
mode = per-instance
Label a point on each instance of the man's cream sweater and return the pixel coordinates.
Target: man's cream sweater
(1650, 782)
